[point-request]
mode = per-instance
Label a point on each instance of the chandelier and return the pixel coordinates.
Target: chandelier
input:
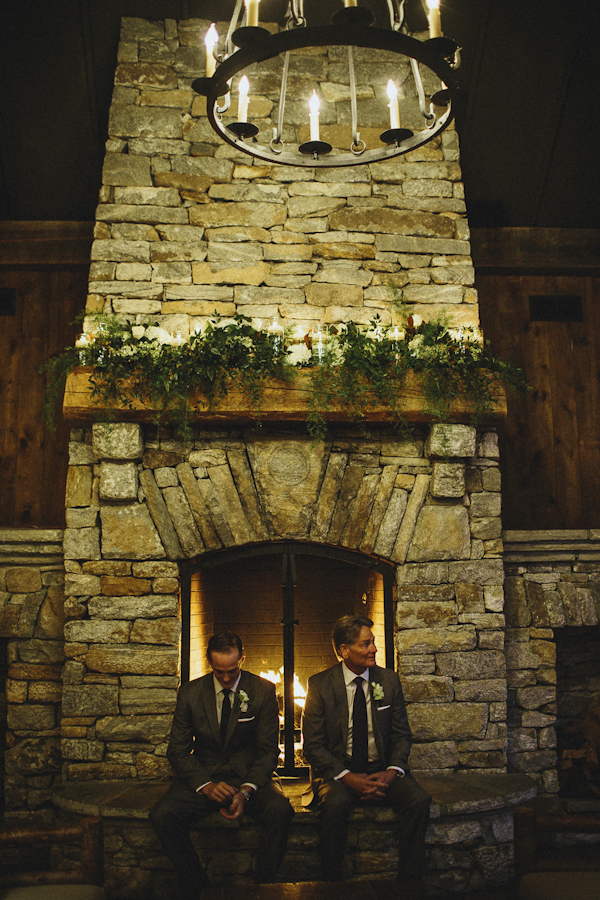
(411, 73)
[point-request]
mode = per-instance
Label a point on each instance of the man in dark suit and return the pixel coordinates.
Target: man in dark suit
(357, 741)
(223, 748)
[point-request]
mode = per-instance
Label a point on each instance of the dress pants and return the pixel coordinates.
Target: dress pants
(181, 808)
(411, 804)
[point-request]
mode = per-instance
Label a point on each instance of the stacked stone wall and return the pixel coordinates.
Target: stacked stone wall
(188, 225)
(553, 582)
(31, 636)
(136, 504)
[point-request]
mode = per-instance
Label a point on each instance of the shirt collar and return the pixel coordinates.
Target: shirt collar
(349, 676)
(219, 688)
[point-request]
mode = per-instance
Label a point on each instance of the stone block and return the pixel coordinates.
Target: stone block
(443, 640)
(30, 717)
(90, 700)
(122, 441)
(486, 529)
(451, 441)
(488, 445)
(126, 169)
(23, 580)
(470, 665)
(156, 631)
(118, 481)
(89, 751)
(34, 757)
(448, 721)
(392, 221)
(447, 480)
(81, 585)
(81, 543)
(81, 517)
(534, 761)
(124, 607)
(79, 486)
(136, 701)
(441, 532)
(427, 689)
(426, 614)
(484, 572)
(124, 585)
(134, 728)
(128, 532)
(534, 697)
(326, 295)
(531, 655)
(486, 504)
(147, 122)
(469, 598)
(264, 215)
(435, 755)
(464, 832)
(121, 251)
(81, 454)
(486, 689)
(138, 660)
(97, 631)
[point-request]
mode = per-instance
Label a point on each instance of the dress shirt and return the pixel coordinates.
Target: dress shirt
(219, 701)
(351, 688)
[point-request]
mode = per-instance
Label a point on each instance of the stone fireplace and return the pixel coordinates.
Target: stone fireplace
(168, 539)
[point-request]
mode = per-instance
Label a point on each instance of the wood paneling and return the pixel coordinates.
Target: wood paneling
(33, 462)
(550, 441)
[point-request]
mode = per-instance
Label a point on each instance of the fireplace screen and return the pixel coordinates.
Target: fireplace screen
(283, 599)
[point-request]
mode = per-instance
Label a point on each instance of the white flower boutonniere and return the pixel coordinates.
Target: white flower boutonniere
(377, 691)
(243, 700)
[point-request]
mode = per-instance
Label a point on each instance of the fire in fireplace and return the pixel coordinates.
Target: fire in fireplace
(283, 598)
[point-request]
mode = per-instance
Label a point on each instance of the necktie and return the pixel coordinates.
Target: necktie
(225, 713)
(360, 736)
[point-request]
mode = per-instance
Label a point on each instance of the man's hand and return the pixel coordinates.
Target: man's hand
(236, 809)
(221, 792)
(383, 780)
(366, 786)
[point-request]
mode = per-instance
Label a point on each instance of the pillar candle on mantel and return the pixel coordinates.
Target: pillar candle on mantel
(434, 18)
(348, 3)
(252, 13)
(314, 105)
(243, 91)
(392, 92)
(210, 42)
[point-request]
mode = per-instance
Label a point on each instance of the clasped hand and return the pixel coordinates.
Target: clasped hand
(229, 798)
(370, 787)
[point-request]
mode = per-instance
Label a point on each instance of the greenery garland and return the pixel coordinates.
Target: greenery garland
(350, 364)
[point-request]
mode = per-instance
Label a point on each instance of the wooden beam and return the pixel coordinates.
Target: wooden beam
(282, 401)
(533, 251)
(45, 243)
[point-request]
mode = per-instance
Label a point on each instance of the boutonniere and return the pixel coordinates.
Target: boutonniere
(377, 691)
(243, 701)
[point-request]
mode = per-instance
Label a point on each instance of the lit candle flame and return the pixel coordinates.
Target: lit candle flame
(211, 40)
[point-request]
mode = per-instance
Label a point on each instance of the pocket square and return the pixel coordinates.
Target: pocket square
(381, 708)
(250, 719)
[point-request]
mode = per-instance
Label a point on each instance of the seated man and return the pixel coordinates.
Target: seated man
(223, 748)
(357, 740)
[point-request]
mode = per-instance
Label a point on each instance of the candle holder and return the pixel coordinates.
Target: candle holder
(315, 148)
(243, 129)
(443, 46)
(395, 135)
(241, 37)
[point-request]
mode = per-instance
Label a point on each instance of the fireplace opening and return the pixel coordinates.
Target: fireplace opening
(578, 724)
(283, 600)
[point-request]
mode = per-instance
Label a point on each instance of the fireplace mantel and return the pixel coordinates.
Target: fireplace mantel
(282, 401)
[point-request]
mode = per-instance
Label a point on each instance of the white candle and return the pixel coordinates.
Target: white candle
(392, 92)
(319, 342)
(276, 332)
(252, 13)
(314, 105)
(435, 21)
(243, 90)
(210, 42)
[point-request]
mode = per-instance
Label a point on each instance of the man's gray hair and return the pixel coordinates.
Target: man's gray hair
(347, 629)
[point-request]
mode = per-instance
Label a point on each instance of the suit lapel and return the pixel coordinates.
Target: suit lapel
(374, 678)
(207, 692)
(341, 699)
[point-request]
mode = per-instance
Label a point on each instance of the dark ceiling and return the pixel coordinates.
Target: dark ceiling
(529, 132)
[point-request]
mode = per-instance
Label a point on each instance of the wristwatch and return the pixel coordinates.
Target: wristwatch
(247, 794)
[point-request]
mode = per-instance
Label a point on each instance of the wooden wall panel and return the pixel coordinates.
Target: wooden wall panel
(33, 462)
(550, 442)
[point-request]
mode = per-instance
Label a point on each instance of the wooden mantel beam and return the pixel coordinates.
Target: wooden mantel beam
(282, 401)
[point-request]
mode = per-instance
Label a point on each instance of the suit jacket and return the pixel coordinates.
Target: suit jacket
(251, 744)
(326, 714)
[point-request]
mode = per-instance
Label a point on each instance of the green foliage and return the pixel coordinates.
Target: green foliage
(352, 365)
